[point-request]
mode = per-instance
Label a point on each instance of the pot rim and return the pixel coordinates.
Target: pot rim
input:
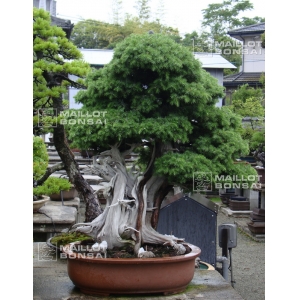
(48, 242)
(209, 266)
(195, 251)
(45, 198)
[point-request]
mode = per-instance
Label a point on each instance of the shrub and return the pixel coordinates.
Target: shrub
(40, 157)
(52, 185)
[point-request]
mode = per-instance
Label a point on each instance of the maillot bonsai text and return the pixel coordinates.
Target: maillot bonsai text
(85, 118)
(236, 181)
(205, 181)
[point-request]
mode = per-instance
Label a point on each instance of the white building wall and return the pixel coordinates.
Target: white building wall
(254, 54)
(48, 5)
(72, 93)
(218, 74)
(72, 103)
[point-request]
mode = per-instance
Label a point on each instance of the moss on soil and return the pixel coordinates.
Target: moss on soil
(66, 238)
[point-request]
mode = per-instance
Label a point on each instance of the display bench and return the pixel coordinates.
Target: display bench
(52, 219)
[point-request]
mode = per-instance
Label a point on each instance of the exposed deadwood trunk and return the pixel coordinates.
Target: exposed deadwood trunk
(125, 220)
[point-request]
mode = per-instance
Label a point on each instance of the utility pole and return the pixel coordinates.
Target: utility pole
(193, 45)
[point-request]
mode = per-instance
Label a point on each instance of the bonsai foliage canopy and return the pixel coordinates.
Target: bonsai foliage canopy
(55, 58)
(159, 102)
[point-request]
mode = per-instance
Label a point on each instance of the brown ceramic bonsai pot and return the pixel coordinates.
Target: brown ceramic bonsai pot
(239, 205)
(67, 195)
(105, 276)
(257, 227)
(225, 197)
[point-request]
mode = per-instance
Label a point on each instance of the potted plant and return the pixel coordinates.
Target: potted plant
(161, 105)
(42, 189)
(39, 202)
(40, 163)
(168, 142)
(52, 187)
(67, 193)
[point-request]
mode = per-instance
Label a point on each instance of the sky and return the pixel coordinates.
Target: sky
(185, 15)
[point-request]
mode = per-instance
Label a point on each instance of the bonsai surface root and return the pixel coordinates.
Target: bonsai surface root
(128, 252)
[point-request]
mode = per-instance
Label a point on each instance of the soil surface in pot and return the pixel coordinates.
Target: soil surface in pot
(128, 252)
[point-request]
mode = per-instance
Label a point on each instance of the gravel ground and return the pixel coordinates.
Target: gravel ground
(248, 263)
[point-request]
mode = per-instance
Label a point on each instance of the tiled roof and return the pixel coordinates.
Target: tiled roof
(66, 25)
(256, 28)
(242, 78)
(213, 61)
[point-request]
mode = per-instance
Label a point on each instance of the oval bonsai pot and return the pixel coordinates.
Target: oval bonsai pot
(206, 266)
(40, 203)
(225, 197)
(105, 276)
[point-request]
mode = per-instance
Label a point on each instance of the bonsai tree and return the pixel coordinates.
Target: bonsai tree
(40, 163)
(52, 185)
(57, 65)
(157, 101)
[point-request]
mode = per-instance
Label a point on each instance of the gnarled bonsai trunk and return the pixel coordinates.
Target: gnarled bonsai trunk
(93, 208)
(130, 197)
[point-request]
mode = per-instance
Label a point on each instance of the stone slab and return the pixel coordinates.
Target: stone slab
(59, 214)
(48, 230)
(59, 175)
(235, 213)
(80, 166)
(70, 203)
(51, 282)
(54, 159)
(91, 179)
(52, 218)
